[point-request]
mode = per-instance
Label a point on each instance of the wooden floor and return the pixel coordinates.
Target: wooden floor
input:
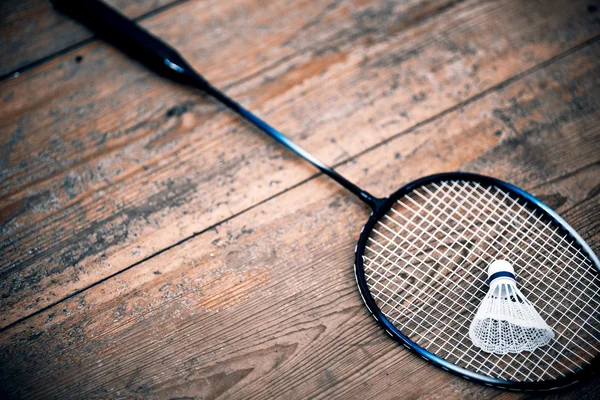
(153, 246)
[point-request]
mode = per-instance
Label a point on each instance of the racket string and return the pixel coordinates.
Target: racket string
(450, 233)
(442, 255)
(446, 343)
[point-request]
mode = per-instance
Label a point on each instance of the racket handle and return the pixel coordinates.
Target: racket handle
(128, 36)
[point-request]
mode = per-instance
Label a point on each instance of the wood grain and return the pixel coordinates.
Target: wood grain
(264, 304)
(107, 165)
(31, 31)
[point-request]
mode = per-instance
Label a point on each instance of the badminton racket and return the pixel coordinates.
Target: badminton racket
(422, 257)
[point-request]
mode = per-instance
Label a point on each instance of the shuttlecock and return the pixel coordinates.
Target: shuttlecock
(506, 322)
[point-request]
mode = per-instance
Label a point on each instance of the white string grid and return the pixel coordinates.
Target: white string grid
(426, 266)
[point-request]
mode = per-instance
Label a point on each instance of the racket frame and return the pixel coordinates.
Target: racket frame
(523, 197)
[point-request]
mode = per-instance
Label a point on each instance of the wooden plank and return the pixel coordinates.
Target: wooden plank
(265, 304)
(32, 30)
(109, 164)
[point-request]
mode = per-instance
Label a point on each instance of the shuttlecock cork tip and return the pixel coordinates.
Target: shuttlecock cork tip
(500, 269)
(500, 266)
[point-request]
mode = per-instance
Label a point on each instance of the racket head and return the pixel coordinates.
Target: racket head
(496, 372)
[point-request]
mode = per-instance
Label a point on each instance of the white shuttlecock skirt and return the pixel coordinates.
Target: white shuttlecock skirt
(506, 322)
